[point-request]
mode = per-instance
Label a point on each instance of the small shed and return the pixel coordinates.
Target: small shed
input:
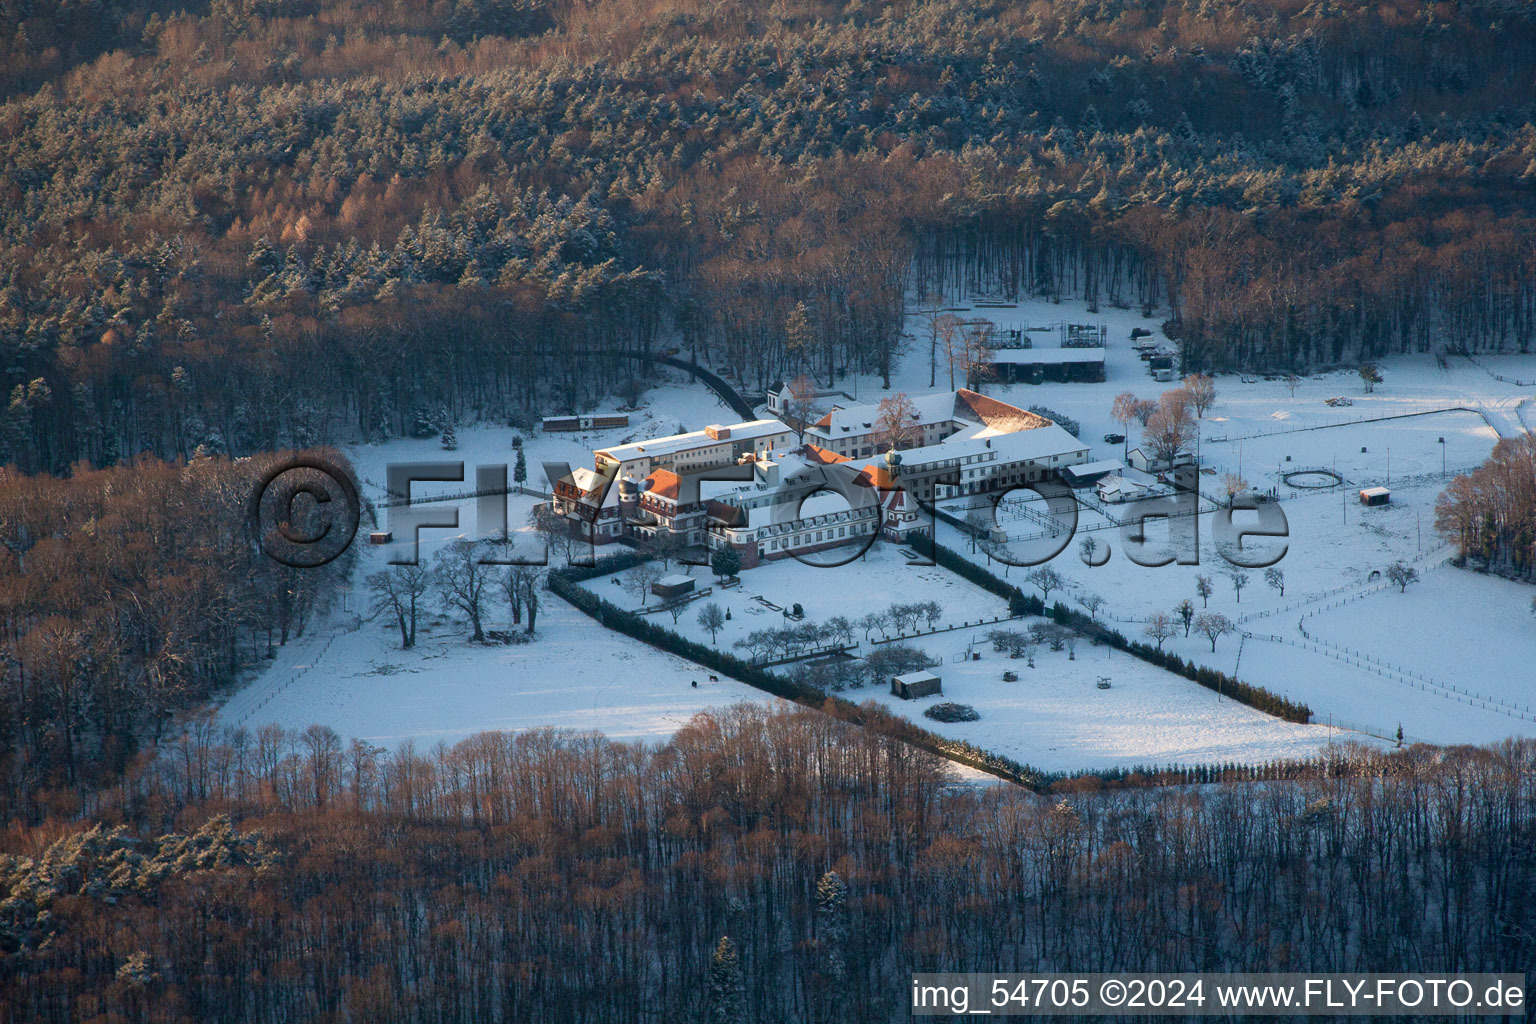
(1118, 487)
(1375, 496)
(916, 684)
(673, 586)
(1090, 473)
(380, 537)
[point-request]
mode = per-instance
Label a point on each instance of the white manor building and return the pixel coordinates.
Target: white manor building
(785, 498)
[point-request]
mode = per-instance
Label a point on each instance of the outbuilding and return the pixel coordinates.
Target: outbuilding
(1375, 496)
(916, 684)
(673, 586)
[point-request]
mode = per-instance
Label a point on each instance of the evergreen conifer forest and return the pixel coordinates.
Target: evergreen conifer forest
(279, 222)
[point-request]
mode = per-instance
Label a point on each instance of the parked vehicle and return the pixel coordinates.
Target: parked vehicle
(1114, 438)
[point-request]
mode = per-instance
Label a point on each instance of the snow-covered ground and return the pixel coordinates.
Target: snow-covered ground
(1054, 717)
(1370, 658)
(1057, 719)
(879, 578)
(353, 676)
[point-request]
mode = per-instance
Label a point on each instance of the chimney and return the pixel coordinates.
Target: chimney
(767, 473)
(717, 432)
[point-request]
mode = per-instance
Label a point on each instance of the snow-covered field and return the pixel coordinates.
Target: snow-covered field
(1054, 717)
(355, 678)
(1057, 719)
(1369, 658)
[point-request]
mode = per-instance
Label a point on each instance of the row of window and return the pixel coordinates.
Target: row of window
(802, 540)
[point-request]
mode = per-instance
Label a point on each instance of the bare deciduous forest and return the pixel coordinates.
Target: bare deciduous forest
(557, 877)
(1490, 514)
(280, 222)
(128, 595)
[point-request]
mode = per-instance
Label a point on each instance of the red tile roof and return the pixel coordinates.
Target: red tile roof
(819, 455)
(663, 483)
(1000, 416)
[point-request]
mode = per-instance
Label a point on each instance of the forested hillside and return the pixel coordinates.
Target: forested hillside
(269, 222)
(562, 878)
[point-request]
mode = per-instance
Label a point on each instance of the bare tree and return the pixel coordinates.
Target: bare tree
(397, 591)
(1123, 412)
(1213, 626)
(1275, 577)
(1239, 581)
(1205, 588)
(1291, 381)
(1402, 574)
(711, 618)
(1202, 392)
(521, 586)
(979, 522)
(895, 422)
(941, 327)
(558, 532)
(800, 404)
(1093, 602)
(1046, 579)
(1232, 485)
(640, 579)
(461, 577)
(665, 545)
(976, 355)
(840, 629)
(1170, 429)
(1159, 628)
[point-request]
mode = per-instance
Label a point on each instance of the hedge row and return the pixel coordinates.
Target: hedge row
(1027, 604)
(565, 583)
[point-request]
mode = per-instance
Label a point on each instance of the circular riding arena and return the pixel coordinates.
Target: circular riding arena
(1313, 479)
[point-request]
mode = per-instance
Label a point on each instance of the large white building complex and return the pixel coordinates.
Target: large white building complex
(766, 492)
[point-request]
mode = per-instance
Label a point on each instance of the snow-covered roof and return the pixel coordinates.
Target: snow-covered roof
(1098, 468)
(676, 579)
(851, 420)
(1128, 481)
(673, 443)
(1137, 476)
(916, 677)
(590, 482)
(1117, 484)
(1374, 492)
(1037, 444)
(994, 417)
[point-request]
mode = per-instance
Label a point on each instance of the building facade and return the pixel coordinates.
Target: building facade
(789, 499)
